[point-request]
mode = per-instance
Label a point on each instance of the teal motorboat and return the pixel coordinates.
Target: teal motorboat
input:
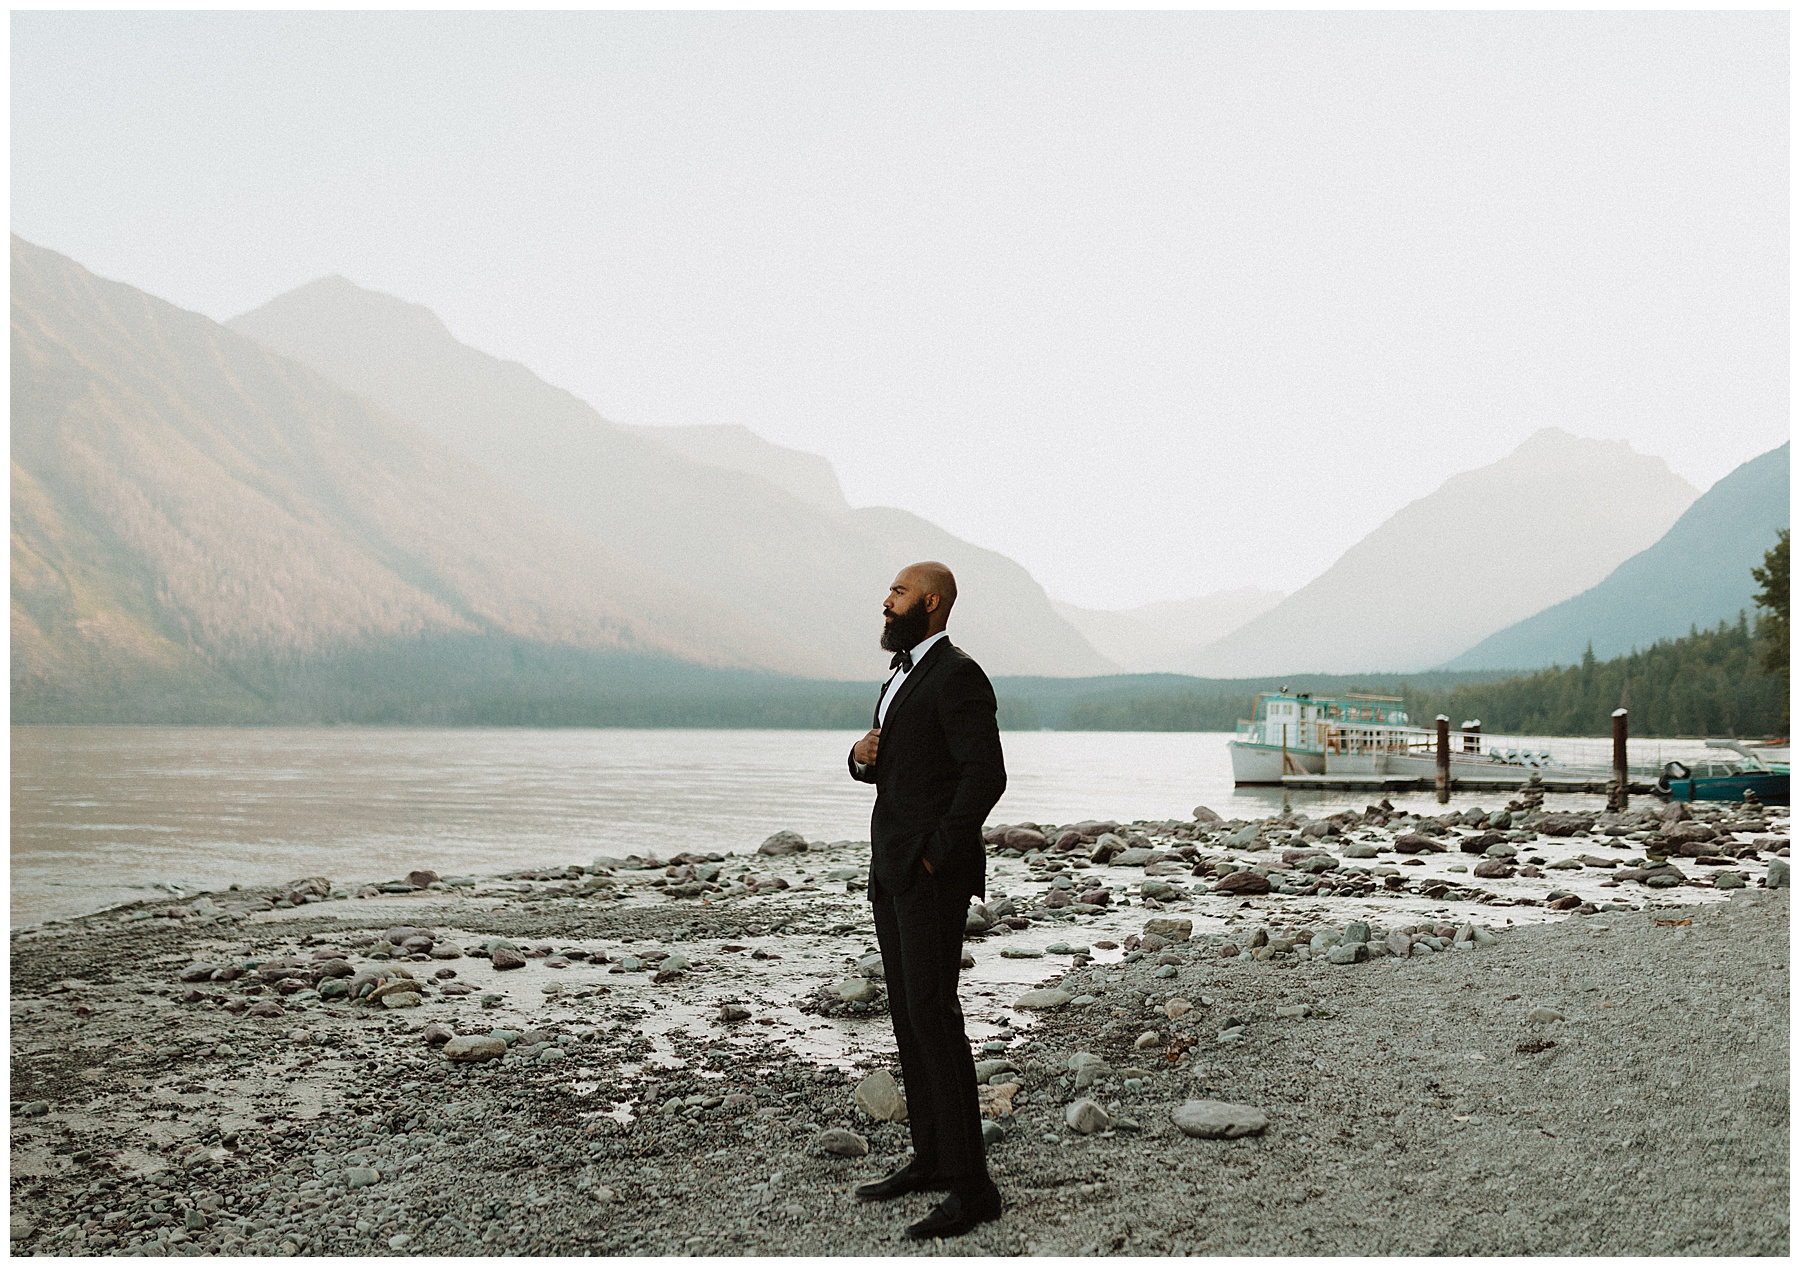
(1728, 777)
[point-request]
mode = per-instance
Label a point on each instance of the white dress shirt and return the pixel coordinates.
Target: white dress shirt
(896, 682)
(900, 675)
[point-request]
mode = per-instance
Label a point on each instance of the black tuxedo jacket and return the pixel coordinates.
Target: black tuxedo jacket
(937, 774)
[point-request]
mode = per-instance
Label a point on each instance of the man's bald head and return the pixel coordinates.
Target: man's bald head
(933, 578)
(917, 605)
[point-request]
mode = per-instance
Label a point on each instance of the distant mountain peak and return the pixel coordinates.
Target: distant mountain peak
(1696, 574)
(341, 295)
(1488, 547)
(1556, 443)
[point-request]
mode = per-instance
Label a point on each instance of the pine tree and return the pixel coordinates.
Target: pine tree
(1772, 629)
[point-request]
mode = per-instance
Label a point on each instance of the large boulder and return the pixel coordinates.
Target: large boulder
(842, 1143)
(1205, 817)
(1565, 824)
(474, 1047)
(1245, 837)
(1169, 929)
(781, 843)
(879, 1096)
(1086, 1117)
(857, 990)
(1096, 826)
(1242, 882)
(1414, 842)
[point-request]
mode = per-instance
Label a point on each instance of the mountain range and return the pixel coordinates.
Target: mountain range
(760, 529)
(1697, 574)
(331, 508)
(1488, 548)
(191, 513)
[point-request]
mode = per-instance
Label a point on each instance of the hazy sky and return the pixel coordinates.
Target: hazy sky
(1154, 303)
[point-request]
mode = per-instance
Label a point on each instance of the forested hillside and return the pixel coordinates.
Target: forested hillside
(1711, 682)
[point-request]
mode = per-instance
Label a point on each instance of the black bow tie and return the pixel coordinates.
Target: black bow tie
(901, 660)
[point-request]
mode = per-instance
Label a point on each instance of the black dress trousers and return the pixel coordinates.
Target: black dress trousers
(920, 933)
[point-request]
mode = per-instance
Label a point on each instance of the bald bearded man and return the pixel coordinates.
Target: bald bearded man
(934, 758)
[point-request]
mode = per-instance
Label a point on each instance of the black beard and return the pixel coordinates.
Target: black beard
(905, 630)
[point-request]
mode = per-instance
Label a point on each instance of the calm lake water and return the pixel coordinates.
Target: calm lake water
(101, 814)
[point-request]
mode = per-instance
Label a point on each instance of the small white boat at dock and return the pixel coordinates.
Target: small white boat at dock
(1358, 740)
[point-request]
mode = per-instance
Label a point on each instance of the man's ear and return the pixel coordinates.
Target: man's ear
(932, 601)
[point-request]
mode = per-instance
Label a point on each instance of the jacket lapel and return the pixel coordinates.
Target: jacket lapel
(919, 670)
(875, 717)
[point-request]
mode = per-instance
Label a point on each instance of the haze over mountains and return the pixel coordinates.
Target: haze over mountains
(1697, 574)
(1169, 637)
(755, 526)
(332, 509)
(806, 476)
(1488, 548)
(192, 512)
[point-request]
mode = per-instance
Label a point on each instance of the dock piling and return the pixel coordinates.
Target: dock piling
(1621, 767)
(1443, 759)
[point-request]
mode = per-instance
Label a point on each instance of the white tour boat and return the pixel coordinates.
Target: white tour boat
(1358, 734)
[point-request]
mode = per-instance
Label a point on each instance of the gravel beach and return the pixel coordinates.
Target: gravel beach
(1580, 1049)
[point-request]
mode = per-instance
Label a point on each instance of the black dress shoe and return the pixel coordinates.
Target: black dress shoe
(959, 1212)
(911, 1177)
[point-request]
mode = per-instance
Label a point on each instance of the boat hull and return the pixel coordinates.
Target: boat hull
(1770, 788)
(1260, 765)
(1464, 770)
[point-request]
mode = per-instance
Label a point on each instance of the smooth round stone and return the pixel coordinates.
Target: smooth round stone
(1086, 1117)
(1215, 1119)
(857, 990)
(842, 1143)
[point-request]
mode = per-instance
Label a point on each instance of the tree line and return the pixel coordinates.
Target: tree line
(1712, 682)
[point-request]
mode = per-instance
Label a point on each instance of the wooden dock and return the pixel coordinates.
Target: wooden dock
(1413, 783)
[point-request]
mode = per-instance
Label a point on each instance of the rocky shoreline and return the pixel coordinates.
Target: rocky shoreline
(1514, 1031)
